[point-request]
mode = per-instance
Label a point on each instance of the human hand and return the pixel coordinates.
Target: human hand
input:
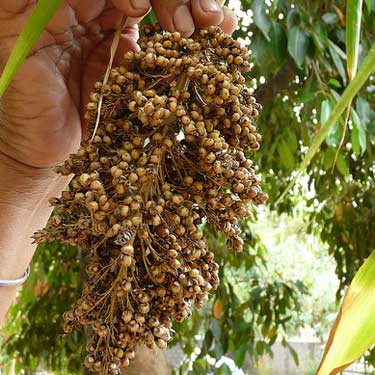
(41, 112)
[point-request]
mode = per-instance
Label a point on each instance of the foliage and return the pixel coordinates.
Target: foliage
(292, 118)
(299, 52)
(34, 335)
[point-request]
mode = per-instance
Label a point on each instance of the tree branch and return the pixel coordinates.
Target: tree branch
(277, 84)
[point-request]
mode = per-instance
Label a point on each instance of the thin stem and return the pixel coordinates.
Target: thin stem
(342, 140)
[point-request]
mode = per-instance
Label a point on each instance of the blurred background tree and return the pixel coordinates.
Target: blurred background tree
(269, 292)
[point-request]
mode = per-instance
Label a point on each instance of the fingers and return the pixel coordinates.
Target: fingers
(174, 15)
(63, 20)
(206, 13)
(133, 8)
(185, 16)
(230, 22)
(128, 42)
(87, 10)
(14, 6)
(111, 19)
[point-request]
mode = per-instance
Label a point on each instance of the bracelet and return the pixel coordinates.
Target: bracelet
(5, 283)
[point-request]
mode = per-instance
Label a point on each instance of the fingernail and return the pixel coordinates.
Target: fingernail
(142, 4)
(210, 6)
(183, 20)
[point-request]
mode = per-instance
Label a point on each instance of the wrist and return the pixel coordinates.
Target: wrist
(24, 208)
(29, 183)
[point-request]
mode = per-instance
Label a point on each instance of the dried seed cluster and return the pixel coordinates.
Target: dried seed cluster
(169, 154)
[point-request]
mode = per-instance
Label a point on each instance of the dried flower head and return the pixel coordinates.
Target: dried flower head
(171, 151)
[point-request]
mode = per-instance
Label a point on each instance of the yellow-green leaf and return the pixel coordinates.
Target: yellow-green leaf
(353, 34)
(354, 330)
(42, 14)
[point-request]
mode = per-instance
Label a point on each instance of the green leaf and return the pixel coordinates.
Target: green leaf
(199, 366)
(218, 350)
(286, 155)
(308, 93)
(353, 34)
(292, 18)
(358, 136)
(278, 43)
(338, 62)
(41, 15)
(366, 69)
(330, 18)
(261, 18)
(354, 330)
(150, 19)
(263, 54)
(240, 353)
(364, 110)
(224, 370)
(334, 135)
(292, 140)
(370, 5)
(293, 353)
(325, 111)
(342, 165)
(319, 35)
(208, 338)
(260, 347)
(335, 47)
(354, 139)
(329, 156)
(334, 83)
(298, 42)
(216, 329)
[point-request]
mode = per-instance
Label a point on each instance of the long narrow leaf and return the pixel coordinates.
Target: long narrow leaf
(353, 34)
(354, 330)
(42, 14)
(366, 69)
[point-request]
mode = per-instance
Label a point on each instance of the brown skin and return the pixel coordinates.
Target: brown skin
(41, 112)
